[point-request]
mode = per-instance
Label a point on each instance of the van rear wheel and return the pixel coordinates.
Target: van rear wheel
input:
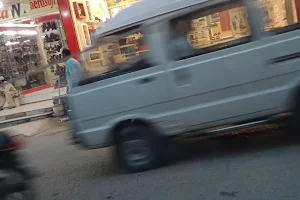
(138, 148)
(294, 126)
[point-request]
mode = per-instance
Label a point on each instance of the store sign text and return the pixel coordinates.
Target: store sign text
(33, 7)
(42, 3)
(15, 12)
(4, 14)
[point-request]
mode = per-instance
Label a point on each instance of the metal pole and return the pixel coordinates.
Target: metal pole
(59, 101)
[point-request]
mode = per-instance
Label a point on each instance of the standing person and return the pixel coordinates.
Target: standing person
(74, 73)
(74, 70)
(7, 93)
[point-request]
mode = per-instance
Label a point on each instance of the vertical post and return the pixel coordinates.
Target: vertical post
(69, 25)
(297, 2)
(59, 101)
(255, 17)
(289, 12)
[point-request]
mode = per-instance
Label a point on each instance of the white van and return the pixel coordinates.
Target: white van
(162, 68)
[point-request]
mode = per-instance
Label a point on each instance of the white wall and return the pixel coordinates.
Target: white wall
(43, 95)
(98, 9)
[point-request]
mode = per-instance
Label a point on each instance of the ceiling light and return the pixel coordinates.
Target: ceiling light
(12, 25)
(27, 32)
(9, 43)
(7, 24)
(10, 32)
(1, 4)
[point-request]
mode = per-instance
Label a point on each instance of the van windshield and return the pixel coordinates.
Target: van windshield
(115, 53)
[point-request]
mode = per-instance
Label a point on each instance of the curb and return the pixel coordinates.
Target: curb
(45, 127)
(25, 114)
(26, 119)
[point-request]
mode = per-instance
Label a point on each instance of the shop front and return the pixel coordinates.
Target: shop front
(32, 35)
(88, 15)
(206, 31)
(91, 14)
(233, 24)
(34, 32)
(279, 13)
(115, 6)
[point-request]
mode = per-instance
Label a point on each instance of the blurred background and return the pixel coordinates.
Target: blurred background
(258, 163)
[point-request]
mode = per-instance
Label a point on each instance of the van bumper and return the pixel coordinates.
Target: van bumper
(91, 139)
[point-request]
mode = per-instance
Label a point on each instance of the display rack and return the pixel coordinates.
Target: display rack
(89, 12)
(19, 54)
(86, 33)
(53, 43)
(199, 36)
(129, 47)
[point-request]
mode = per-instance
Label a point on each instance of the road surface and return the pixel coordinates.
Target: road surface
(261, 165)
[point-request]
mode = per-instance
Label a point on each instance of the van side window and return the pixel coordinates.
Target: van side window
(208, 30)
(114, 56)
(280, 16)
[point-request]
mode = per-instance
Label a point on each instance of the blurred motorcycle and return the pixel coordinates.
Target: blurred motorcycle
(15, 178)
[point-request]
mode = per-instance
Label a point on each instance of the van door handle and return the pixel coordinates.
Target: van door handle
(182, 77)
(146, 80)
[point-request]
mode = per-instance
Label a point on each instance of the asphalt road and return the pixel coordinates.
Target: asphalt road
(261, 165)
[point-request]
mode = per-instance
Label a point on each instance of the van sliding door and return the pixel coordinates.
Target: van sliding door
(217, 72)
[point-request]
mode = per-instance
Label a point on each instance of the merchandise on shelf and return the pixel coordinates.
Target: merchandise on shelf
(52, 41)
(20, 54)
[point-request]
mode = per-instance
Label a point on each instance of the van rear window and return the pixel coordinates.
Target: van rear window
(117, 56)
(279, 15)
(208, 30)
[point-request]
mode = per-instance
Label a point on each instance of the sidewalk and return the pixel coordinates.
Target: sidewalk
(27, 108)
(44, 126)
(31, 119)
(26, 113)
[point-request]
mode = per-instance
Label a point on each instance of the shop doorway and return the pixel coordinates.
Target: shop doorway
(27, 45)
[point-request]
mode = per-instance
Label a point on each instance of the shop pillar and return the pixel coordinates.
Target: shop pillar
(289, 12)
(66, 17)
(297, 2)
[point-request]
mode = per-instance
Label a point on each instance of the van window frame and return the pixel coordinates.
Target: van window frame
(125, 70)
(208, 10)
(281, 30)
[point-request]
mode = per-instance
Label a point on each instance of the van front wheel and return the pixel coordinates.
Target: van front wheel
(138, 148)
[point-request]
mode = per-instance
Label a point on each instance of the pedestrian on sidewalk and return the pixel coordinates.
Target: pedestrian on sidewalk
(74, 70)
(7, 93)
(74, 73)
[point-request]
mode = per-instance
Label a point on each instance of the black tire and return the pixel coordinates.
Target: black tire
(294, 120)
(25, 191)
(21, 188)
(139, 148)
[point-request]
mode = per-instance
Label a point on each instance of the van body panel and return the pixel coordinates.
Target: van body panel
(236, 81)
(251, 80)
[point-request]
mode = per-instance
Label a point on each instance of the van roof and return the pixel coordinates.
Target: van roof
(141, 11)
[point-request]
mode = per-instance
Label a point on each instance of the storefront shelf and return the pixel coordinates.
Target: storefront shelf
(54, 42)
(49, 32)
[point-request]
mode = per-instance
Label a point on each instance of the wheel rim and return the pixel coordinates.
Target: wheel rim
(137, 151)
